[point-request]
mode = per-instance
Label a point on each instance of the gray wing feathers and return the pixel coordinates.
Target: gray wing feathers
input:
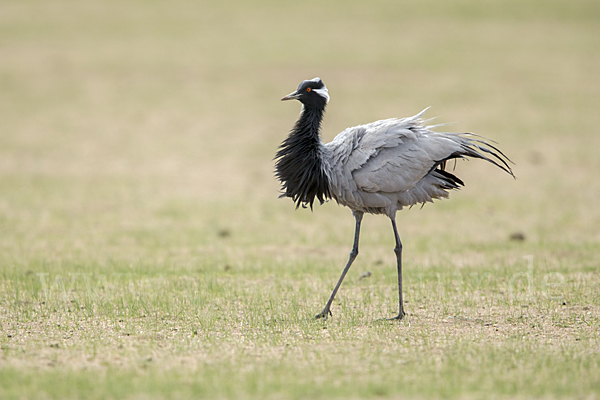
(354, 147)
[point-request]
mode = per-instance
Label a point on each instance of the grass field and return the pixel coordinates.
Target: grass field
(144, 252)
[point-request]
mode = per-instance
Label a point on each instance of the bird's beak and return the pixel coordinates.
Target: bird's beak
(291, 96)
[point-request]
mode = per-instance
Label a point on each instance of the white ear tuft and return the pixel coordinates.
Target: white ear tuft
(323, 92)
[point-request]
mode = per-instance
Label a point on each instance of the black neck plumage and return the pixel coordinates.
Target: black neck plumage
(299, 164)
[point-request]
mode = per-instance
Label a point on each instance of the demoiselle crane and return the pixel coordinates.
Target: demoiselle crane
(377, 168)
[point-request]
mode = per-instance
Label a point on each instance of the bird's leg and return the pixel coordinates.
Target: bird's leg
(398, 251)
(326, 310)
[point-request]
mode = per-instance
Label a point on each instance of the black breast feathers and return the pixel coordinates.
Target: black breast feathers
(299, 164)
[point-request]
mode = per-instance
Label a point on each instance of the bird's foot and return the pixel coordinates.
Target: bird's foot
(397, 317)
(324, 314)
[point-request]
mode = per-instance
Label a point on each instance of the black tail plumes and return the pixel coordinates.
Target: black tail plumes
(473, 147)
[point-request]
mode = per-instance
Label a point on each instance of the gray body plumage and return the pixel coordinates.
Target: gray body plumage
(386, 165)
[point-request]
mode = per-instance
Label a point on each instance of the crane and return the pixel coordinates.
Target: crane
(376, 168)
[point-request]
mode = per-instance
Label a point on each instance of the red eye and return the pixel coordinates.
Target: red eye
(308, 89)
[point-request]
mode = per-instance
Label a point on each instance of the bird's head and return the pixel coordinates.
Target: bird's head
(311, 93)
